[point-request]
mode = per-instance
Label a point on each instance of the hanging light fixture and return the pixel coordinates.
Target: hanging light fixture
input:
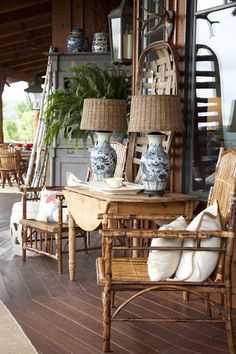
(121, 32)
(34, 94)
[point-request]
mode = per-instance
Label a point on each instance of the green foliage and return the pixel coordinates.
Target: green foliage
(64, 110)
(21, 129)
(11, 130)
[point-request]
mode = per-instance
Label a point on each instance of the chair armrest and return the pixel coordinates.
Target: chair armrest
(168, 234)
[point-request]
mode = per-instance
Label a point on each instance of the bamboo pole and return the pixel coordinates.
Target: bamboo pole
(39, 157)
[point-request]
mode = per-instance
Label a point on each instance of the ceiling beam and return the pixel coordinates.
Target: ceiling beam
(14, 63)
(24, 37)
(22, 54)
(25, 49)
(28, 63)
(41, 69)
(28, 12)
(21, 76)
(27, 46)
(11, 5)
(25, 26)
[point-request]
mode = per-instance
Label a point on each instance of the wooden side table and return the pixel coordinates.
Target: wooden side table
(84, 206)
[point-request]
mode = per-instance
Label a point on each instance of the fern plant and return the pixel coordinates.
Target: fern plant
(65, 105)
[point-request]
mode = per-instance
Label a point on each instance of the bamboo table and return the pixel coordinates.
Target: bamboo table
(84, 205)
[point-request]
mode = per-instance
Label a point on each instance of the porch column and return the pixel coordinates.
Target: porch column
(2, 83)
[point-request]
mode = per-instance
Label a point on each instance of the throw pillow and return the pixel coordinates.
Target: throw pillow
(198, 265)
(163, 264)
(48, 207)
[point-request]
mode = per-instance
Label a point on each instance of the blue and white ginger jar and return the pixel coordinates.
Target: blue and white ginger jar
(76, 41)
(100, 42)
(155, 166)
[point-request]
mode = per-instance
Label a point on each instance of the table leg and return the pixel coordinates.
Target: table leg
(72, 247)
(135, 253)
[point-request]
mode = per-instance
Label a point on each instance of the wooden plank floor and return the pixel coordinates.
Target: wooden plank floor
(60, 316)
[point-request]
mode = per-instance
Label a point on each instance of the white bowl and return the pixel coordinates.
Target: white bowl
(114, 182)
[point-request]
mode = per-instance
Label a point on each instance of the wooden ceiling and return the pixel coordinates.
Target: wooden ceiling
(25, 34)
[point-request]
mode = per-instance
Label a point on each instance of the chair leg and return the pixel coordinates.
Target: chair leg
(3, 179)
(85, 242)
(113, 294)
(9, 180)
(185, 295)
(24, 242)
(208, 306)
(59, 254)
(229, 323)
(106, 319)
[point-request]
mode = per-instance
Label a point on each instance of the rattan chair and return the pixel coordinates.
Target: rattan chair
(47, 238)
(11, 166)
(118, 270)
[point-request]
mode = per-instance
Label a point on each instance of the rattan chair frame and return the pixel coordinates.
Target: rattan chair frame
(118, 270)
(11, 165)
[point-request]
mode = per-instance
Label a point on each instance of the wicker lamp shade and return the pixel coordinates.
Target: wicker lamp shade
(103, 114)
(152, 113)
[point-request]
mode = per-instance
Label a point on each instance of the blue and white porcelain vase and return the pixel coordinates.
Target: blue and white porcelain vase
(155, 166)
(76, 41)
(103, 158)
(100, 42)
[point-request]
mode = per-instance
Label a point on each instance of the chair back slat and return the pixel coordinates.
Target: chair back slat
(121, 152)
(224, 186)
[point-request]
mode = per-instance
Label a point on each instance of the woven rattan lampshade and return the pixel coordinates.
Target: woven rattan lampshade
(152, 113)
(104, 114)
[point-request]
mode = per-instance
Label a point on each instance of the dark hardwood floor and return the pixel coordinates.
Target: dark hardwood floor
(60, 316)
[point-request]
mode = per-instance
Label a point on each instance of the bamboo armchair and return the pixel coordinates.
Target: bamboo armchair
(11, 165)
(43, 237)
(118, 270)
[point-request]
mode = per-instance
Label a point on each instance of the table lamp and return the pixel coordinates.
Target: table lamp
(155, 114)
(103, 116)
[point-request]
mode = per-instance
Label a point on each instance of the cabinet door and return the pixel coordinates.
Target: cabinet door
(68, 160)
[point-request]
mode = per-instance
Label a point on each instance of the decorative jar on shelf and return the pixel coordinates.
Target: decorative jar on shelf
(100, 43)
(76, 41)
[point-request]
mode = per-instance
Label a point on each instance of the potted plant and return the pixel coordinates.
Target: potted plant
(65, 105)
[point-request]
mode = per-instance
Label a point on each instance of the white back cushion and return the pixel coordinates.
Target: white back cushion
(198, 265)
(163, 264)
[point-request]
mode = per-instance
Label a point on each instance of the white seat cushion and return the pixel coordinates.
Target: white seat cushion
(198, 265)
(163, 264)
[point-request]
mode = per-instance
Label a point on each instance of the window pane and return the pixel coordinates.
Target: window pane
(203, 4)
(215, 93)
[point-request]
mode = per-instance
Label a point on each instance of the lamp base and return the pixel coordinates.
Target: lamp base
(103, 158)
(152, 192)
(155, 166)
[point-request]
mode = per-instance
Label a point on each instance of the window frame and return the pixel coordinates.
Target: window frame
(189, 92)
